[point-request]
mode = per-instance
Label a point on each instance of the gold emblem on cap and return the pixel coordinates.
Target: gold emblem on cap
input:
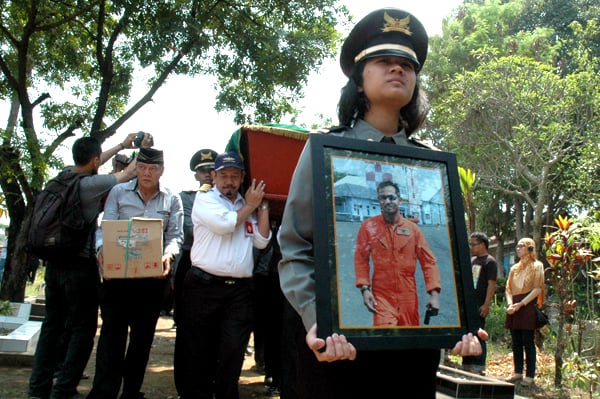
(396, 25)
(205, 156)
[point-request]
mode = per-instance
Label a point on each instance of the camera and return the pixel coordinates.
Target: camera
(138, 139)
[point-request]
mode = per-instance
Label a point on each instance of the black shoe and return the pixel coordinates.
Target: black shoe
(258, 368)
(136, 395)
(272, 392)
(268, 380)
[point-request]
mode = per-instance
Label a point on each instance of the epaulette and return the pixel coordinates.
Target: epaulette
(423, 143)
(205, 188)
(332, 129)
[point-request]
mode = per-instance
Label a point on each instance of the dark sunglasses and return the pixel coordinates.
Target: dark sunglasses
(387, 197)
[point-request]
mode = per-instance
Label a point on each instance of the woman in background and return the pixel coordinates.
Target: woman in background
(524, 290)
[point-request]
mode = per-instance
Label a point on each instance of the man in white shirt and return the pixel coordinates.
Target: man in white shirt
(217, 292)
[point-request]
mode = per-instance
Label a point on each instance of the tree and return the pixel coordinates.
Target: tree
(261, 52)
(467, 185)
(513, 118)
(540, 30)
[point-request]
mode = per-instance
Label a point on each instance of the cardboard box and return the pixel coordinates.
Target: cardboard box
(132, 248)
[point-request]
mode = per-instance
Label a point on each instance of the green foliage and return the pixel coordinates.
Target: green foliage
(72, 64)
(582, 372)
(494, 323)
(467, 185)
(523, 128)
(570, 251)
(5, 308)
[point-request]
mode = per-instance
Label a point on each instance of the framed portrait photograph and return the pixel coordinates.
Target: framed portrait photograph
(393, 267)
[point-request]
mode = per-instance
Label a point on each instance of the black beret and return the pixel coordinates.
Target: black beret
(387, 31)
(150, 155)
(203, 159)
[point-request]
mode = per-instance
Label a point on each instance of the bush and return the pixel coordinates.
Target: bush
(494, 323)
(5, 308)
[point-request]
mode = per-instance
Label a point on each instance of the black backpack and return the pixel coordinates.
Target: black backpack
(58, 227)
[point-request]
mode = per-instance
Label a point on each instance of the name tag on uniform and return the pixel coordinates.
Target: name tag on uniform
(402, 232)
(249, 229)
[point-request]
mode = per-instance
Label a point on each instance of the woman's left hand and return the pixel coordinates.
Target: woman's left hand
(470, 345)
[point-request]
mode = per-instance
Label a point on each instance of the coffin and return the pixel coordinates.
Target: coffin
(270, 153)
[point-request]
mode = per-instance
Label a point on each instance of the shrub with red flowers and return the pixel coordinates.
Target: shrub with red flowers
(572, 264)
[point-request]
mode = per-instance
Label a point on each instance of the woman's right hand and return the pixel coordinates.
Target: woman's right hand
(331, 349)
(514, 307)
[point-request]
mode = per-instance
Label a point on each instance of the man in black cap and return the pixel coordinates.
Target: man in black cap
(382, 102)
(217, 310)
(131, 306)
(202, 164)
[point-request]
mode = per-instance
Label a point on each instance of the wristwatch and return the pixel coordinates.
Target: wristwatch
(364, 288)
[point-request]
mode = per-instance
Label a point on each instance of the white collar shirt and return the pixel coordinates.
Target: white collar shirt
(220, 247)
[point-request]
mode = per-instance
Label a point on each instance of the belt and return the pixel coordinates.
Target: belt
(226, 280)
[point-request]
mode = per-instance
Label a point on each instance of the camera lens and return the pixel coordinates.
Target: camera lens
(138, 139)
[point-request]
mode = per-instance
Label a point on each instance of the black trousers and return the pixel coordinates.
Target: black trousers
(217, 316)
(128, 307)
(183, 266)
(373, 374)
(68, 329)
(268, 323)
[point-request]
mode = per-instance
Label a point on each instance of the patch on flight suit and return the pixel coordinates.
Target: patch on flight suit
(402, 231)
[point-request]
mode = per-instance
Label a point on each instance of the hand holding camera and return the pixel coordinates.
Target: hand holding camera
(140, 139)
(143, 140)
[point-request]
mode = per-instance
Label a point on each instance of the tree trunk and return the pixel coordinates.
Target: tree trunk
(19, 263)
(499, 255)
(560, 345)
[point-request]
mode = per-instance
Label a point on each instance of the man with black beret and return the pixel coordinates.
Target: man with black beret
(202, 164)
(131, 306)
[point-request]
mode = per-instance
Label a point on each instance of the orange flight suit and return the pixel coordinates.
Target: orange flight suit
(394, 250)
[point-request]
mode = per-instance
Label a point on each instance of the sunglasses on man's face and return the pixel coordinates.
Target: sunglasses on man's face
(387, 197)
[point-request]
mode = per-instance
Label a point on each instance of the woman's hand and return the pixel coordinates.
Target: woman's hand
(515, 307)
(332, 348)
(470, 345)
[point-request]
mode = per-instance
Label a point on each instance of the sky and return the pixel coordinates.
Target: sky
(182, 118)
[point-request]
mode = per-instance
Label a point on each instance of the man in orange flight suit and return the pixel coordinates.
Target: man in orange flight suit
(394, 244)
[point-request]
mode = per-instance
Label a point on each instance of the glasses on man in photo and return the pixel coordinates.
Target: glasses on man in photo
(521, 246)
(387, 197)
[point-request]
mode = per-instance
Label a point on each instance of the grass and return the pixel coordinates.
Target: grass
(32, 289)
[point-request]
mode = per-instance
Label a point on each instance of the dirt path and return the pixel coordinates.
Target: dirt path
(158, 383)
